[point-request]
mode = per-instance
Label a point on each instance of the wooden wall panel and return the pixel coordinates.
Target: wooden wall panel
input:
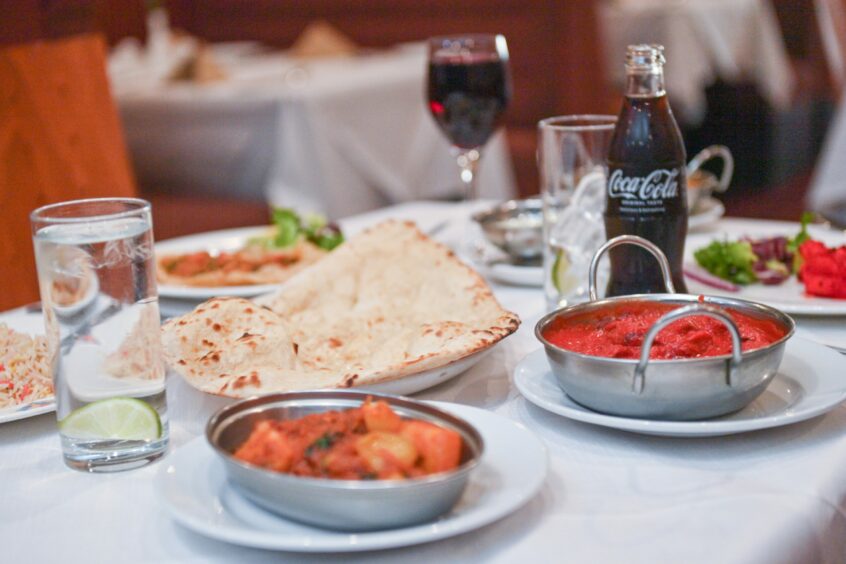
(60, 139)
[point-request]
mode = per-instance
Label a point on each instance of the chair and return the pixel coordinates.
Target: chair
(61, 139)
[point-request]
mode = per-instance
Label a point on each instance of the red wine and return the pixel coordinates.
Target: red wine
(467, 98)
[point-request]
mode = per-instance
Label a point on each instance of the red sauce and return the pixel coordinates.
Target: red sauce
(618, 332)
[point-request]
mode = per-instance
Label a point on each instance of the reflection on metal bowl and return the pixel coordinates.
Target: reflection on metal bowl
(349, 505)
(515, 227)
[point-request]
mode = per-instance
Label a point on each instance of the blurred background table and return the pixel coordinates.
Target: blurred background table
(339, 135)
(704, 40)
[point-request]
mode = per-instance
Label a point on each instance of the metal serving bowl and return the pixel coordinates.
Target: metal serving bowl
(348, 505)
(515, 227)
(678, 389)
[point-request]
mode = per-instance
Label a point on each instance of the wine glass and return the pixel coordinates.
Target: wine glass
(469, 87)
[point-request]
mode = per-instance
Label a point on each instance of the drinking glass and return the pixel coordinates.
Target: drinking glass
(572, 161)
(96, 273)
(468, 89)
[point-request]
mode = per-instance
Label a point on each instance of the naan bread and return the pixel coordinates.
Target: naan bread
(388, 303)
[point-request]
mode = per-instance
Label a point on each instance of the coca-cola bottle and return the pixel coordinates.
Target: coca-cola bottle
(647, 192)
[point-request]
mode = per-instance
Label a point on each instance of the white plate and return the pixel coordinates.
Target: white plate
(193, 487)
(790, 296)
(414, 383)
(706, 212)
(809, 382)
(33, 324)
(828, 331)
(213, 241)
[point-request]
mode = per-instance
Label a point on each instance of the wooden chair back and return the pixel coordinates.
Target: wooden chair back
(60, 139)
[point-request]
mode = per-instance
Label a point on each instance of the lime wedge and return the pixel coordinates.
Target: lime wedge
(113, 418)
(562, 278)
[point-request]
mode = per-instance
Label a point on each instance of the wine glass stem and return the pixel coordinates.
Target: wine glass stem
(468, 162)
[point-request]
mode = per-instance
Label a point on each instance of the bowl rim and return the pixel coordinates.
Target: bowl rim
(489, 214)
(720, 301)
(470, 436)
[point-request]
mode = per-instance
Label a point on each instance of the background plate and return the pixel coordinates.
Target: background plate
(193, 487)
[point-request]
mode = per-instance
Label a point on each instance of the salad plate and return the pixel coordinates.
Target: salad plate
(194, 489)
(32, 323)
(809, 383)
(789, 296)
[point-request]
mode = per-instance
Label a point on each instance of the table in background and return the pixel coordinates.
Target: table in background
(704, 40)
(339, 135)
(773, 496)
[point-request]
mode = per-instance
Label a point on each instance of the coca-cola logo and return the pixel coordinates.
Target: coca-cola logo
(660, 184)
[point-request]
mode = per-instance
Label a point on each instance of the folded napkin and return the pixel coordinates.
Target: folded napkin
(321, 39)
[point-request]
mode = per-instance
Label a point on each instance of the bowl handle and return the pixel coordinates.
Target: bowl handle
(630, 240)
(709, 153)
(676, 314)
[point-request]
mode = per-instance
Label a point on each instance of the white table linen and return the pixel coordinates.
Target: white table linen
(337, 135)
(704, 40)
(828, 185)
(776, 496)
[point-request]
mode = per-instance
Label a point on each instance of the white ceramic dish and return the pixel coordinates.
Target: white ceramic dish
(790, 296)
(32, 323)
(213, 241)
(828, 331)
(193, 487)
(809, 383)
(414, 383)
(706, 212)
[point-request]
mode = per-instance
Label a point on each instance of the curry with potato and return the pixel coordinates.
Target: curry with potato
(371, 442)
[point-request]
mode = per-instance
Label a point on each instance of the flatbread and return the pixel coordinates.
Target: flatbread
(388, 303)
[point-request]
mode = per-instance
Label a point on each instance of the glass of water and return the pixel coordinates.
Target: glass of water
(572, 154)
(96, 272)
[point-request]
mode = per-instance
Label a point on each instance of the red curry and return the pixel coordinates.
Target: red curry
(618, 332)
(367, 443)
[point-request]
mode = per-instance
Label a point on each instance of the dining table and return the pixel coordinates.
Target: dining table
(338, 135)
(705, 41)
(771, 495)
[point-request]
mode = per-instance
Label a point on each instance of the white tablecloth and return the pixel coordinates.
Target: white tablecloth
(828, 185)
(704, 40)
(775, 496)
(341, 135)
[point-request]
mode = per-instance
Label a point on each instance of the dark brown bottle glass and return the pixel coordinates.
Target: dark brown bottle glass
(646, 193)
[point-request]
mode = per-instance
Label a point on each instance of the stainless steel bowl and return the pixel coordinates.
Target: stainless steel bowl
(679, 389)
(348, 505)
(515, 227)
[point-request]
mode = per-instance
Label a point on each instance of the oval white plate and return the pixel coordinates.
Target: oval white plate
(212, 241)
(809, 382)
(32, 323)
(193, 487)
(790, 296)
(414, 383)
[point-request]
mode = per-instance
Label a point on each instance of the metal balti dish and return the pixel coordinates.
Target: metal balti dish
(348, 505)
(515, 227)
(677, 389)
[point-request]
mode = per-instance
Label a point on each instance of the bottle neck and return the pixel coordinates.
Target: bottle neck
(645, 83)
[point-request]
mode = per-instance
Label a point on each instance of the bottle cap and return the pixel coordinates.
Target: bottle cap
(645, 57)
